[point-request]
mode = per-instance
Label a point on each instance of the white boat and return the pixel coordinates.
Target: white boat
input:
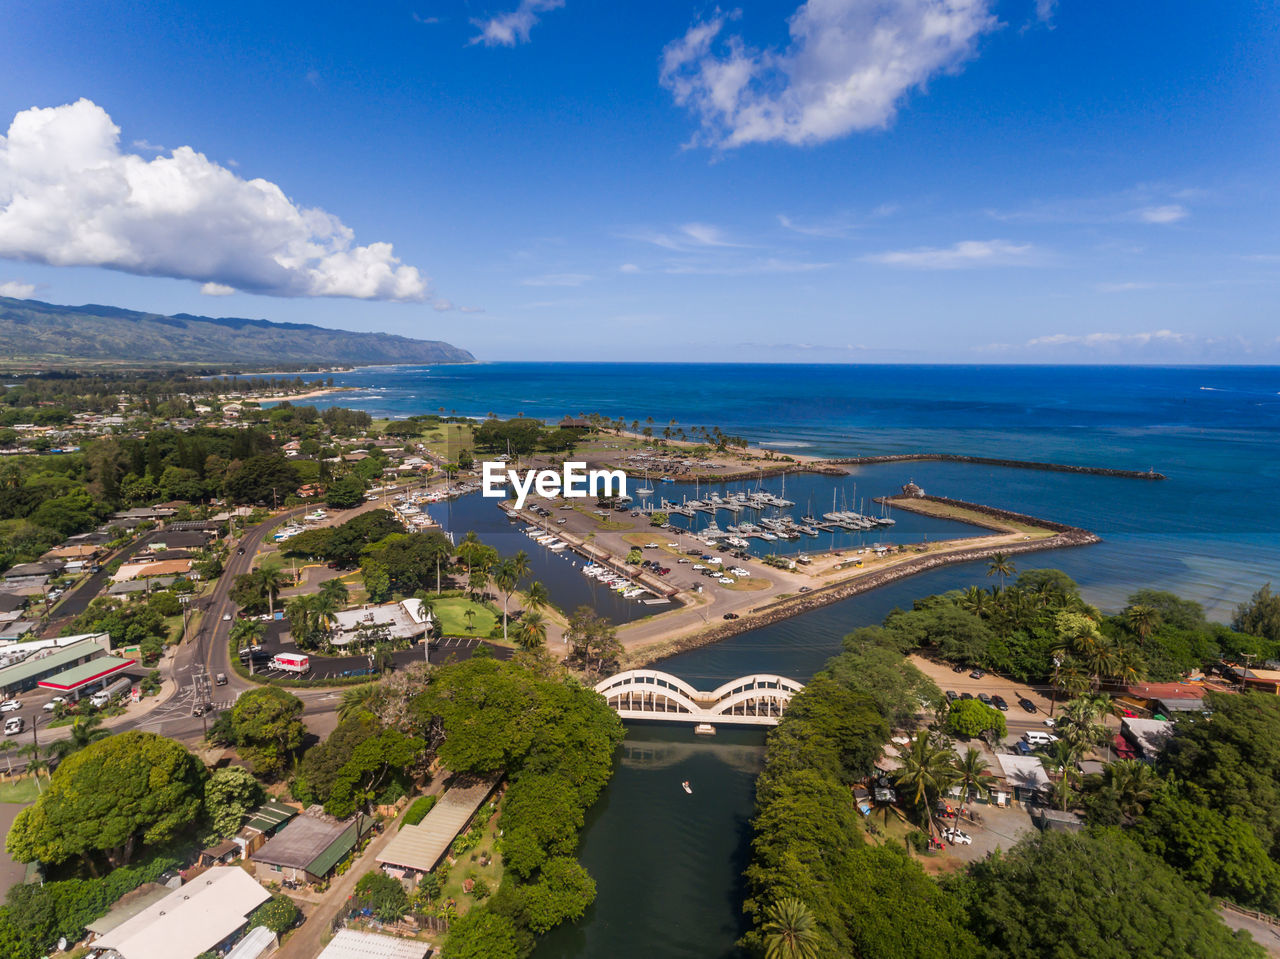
(686, 787)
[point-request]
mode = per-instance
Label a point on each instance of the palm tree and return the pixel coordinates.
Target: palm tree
(974, 773)
(300, 613)
(506, 579)
(975, 600)
(927, 770)
(84, 732)
(381, 657)
(336, 591)
(1000, 565)
(1067, 678)
(477, 580)
(537, 596)
(1141, 620)
(520, 563)
(470, 614)
(1079, 726)
(35, 763)
(790, 931)
(532, 632)
(7, 746)
(356, 700)
(1061, 756)
(1133, 783)
(271, 579)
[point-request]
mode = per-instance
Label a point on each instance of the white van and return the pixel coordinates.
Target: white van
(1036, 737)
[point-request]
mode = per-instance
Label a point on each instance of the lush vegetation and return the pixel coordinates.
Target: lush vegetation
(1138, 882)
(557, 764)
(1039, 628)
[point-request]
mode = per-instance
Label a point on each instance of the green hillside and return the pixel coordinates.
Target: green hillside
(33, 333)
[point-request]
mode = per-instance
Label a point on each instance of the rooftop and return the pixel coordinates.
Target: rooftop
(351, 944)
(87, 673)
(1024, 772)
(270, 815)
(191, 919)
(312, 841)
(420, 847)
(41, 662)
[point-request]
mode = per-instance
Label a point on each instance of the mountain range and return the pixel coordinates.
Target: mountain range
(33, 333)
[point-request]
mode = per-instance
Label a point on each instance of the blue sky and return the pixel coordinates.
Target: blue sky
(839, 181)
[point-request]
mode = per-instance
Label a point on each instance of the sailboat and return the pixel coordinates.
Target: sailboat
(686, 787)
(646, 489)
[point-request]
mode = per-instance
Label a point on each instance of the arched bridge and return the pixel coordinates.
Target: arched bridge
(758, 700)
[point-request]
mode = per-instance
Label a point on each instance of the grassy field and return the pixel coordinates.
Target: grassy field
(19, 791)
(452, 614)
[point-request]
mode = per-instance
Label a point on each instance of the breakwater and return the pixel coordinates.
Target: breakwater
(1150, 474)
(1063, 536)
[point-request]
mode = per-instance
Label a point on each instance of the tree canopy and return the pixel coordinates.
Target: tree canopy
(131, 788)
(1091, 896)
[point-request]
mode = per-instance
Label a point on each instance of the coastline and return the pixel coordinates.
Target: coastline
(1004, 523)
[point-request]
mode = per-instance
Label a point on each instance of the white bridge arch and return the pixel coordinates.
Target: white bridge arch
(756, 700)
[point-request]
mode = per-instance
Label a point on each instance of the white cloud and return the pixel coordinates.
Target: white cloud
(848, 65)
(557, 279)
(1103, 340)
(508, 29)
(686, 237)
(965, 254)
(427, 21)
(628, 268)
(70, 197)
(217, 289)
(1168, 213)
(442, 305)
(1045, 10)
(17, 289)
(148, 146)
(470, 309)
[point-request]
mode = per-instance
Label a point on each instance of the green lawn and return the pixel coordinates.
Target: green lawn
(19, 791)
(452, 613)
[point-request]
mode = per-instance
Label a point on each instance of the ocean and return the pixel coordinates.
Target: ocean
(1210, 531)
(668, 865)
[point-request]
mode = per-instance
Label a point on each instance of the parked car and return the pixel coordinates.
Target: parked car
(53, 704)
(226, 617)
(984, 699)
(966, 695)
(957, 668)
(804, 589)
(1038, 737)
(1048, 721)
(957, 837)
(952, 695)
(14, 725)
(977, 674)
(1000, 703)
(9, 705)
(1022, 748)
(730, 615)
(1027, 705)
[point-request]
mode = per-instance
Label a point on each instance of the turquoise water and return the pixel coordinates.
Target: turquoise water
(1210, 532)
(668, 865)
